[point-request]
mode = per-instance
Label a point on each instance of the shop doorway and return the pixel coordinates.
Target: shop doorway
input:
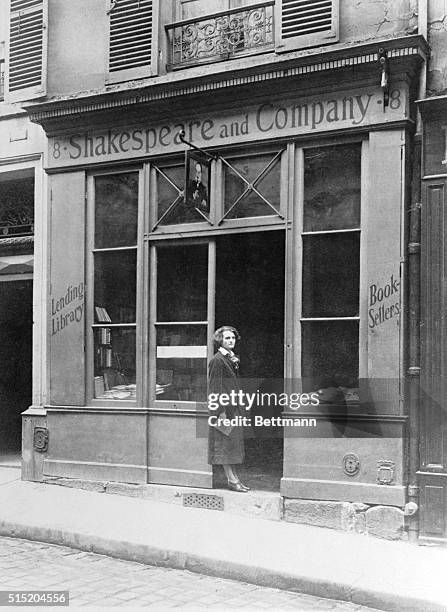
(250, 296)
(16, 302)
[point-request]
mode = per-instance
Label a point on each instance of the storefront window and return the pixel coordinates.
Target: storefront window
(331, 275)
(114, 264)
(182, 281)
(252, 186)
(331, 266)
(116, 207)
(332, 188)
(115, 285)
(114, 363)
(172, 209)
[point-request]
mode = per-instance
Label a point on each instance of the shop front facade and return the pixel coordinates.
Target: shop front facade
(22, 231)
(298, 241)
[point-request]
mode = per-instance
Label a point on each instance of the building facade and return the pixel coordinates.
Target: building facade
(22, 236)
(304, 238)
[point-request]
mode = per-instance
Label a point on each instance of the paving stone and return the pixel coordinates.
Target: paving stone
(106, 582)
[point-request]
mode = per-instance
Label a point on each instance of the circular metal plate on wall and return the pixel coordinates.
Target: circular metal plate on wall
(351, 464)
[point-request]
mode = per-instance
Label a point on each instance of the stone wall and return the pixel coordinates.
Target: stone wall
(437, 39)
(380, 521)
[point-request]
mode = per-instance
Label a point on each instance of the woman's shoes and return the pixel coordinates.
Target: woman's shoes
(238, 486)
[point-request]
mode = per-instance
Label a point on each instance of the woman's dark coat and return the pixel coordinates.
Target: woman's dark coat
(224, 449)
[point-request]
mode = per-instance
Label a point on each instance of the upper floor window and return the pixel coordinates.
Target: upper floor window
(133, 26)
(208, 31)
(26, 70)
(306, 23)
(213, 30)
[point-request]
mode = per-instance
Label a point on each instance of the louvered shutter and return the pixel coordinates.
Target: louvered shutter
(27, 57)
(133, 39)
(306, 23)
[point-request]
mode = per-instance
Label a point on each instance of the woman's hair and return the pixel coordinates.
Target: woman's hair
(218, 334)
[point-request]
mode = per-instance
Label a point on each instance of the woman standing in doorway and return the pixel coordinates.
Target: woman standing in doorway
(226, 444)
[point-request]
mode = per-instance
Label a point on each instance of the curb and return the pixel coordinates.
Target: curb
(151, 555)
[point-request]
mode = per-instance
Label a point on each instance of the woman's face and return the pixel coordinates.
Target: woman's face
(228, 340)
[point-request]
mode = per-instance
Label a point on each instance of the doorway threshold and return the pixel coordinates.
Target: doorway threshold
(255, 503)
(10, 459)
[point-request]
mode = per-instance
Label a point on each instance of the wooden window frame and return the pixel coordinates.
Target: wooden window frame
(139, 72)
(294, 248)
(90, 319)
(35, 91)
(305, 41)
(292, 204)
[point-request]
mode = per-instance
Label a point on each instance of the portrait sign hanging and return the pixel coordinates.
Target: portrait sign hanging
(198, 181)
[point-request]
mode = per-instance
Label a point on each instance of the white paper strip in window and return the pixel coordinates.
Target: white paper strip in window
(182, 352)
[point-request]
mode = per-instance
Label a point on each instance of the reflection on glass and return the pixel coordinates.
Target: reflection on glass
(330, 352)
(260, 181)
(331, 275)
(170, 184)
(181, 362)
(332, 188)
(114, 374)
(182, 283)
(115, 286)
(116, 210)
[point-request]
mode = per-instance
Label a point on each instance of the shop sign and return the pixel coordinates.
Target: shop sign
(272, 119)
(383, 301)
(67, 308)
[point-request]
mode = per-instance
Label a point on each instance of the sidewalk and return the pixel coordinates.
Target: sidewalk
(322, 562)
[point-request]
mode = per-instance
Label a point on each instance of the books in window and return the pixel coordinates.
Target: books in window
(102, 315)
(104, 336)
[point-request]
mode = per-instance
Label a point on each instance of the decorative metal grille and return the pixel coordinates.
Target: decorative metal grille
(203, 500)
(222, 35)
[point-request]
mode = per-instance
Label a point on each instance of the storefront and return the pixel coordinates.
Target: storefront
(21, 279)
(298, 241)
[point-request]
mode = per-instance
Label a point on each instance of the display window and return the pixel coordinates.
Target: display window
(165, 275)
(114, 263)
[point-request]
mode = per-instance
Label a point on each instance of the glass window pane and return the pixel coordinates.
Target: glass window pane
(330, 352)
(169, 187)
(331, 275)
(114, 373)
(170, 192)
(115, 286)
(181, 362)
(116, 210)
(251, 205)
(182, 281)
(332, 188)
(250, 175)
